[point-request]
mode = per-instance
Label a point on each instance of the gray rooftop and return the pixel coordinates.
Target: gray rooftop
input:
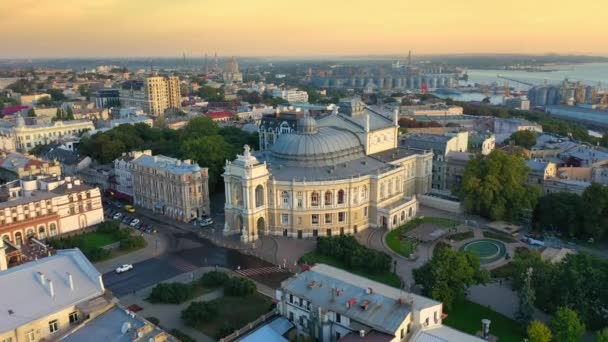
(107, 327)
(35, 197)
(536, 165)
(29, 300)
(168, 164)
(385, 313)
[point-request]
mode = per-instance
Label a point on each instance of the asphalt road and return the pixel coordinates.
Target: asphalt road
(178, 261)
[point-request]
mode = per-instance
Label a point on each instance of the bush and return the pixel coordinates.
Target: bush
(461, 236)
(170, 293)
(97, 254)
(346, 249)
(180, 335)
(108, 227)
(214, 279)
(239, 287)
(199, 312)
(131, 243)
(225, 330)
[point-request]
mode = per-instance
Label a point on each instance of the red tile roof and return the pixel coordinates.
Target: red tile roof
(219, 115)
(13, 109)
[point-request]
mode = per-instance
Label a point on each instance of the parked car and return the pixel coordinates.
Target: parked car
(134, 223)
(126, 220)
(117, 216)
(206, 222)
(142, 228)
(124, 268)
(129, 208)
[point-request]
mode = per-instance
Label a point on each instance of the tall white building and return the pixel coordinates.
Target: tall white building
(123, 172)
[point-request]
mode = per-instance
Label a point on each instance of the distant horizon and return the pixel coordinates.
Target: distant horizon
(142, 28)
(312, 57)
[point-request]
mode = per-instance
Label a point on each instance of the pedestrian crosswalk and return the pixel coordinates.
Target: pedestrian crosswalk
(182, 265)
(260, 270)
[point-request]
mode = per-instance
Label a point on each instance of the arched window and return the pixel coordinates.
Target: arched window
(403, 215)
(18, 239)
(53, 230)
(29, 233)
(237, 193)
(395, 220)
(285, 198)
(341, 196)
(328, 197)
(41, 232)
(411, 211)
(259, 196)
(6, 237)
(314, 198)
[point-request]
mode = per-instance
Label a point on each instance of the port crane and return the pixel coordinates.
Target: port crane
(515, 80)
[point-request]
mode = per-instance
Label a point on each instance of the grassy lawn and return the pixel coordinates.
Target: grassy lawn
(498, 236)
(467, 316)
(234, 313)
(388, 278)
(96, 240)
(504, 271)
(405, 247)
(461, 236)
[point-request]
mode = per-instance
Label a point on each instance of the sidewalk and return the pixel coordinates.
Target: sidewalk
(151, 250)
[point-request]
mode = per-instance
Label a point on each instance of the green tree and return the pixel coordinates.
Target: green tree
(69, 114)
(594, 211)
(566, 326)
(527, 296)
(209, 151)
(538, 332)
(494, 186)
(56, 94)
(525, 138)
(559, 211)
(200, 127)
(448, 274)
(604, 140)
(44, 102)
(601, 335)
(31, 113)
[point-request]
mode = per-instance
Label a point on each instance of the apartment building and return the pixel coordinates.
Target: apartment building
(329, 304)
(153, 94)
(291, 95)
(171, 187)
(123, 173)
(46, 206)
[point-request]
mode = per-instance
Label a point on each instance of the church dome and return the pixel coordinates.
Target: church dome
(307, 125)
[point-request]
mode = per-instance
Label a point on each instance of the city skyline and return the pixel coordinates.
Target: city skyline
(111, 28)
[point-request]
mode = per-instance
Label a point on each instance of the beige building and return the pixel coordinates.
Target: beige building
(154, 94)
(47, 206)
(340, 175)
(16, 166)
(171, 187)
(45, 299)
(63, 298)
(32, 99)
(23, 138)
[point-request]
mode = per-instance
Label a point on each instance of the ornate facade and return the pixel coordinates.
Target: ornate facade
(338, 175)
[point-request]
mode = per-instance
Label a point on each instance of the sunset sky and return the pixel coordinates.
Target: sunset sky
(92, 28)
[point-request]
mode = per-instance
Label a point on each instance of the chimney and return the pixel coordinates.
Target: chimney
(367, 122)
(361, 333)
(42, 279)
(77, 182)
(51, 289)
(396, 117)
(71, 281)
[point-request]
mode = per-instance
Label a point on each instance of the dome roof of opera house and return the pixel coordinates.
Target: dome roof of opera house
(316, 146)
